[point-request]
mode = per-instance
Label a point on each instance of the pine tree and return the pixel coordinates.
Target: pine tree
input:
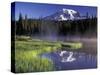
(26, 24)
(19, 25)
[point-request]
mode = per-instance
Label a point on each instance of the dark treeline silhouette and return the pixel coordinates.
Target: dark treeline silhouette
(31, 27)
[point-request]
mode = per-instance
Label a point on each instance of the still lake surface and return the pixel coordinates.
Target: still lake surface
(68, 60)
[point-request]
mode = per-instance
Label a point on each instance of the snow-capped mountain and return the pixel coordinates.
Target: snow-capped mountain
(64, 14)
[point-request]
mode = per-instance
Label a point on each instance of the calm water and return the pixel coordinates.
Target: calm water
(66, 60)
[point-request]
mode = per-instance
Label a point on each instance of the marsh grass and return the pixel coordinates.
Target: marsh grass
(28, 61)
(27, 54)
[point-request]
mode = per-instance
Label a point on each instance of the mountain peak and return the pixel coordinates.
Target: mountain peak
(64, 14)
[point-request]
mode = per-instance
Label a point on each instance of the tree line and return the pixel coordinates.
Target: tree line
(32, 27)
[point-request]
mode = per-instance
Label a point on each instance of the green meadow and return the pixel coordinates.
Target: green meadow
(28, 51)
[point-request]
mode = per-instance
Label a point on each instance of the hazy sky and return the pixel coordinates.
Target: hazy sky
(36, 10)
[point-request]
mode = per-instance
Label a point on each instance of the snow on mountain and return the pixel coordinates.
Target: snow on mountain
(64, 14)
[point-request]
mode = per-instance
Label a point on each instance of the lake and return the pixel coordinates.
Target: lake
(69, 60)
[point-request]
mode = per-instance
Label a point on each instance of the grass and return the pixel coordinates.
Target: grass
(73, 45)
(28, 61)
(27, 54)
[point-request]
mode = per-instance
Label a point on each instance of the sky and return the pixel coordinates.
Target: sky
(36, 10)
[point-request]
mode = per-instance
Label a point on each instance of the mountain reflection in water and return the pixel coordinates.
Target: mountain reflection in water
(67, 60)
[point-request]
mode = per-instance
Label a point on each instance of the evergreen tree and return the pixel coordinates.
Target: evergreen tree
(20, 25)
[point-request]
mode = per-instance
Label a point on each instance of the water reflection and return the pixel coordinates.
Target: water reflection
(66, 60)
(69, 58)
